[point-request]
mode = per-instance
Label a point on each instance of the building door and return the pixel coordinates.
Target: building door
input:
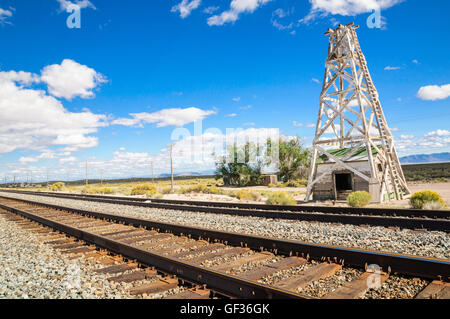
(344, 185)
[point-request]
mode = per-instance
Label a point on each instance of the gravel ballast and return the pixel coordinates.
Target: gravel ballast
(428, 244)
(32, 269)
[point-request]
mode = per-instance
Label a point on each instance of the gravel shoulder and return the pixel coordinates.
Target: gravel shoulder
(428, 244)
(32, 269)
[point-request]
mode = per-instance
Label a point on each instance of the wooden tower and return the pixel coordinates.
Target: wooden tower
(352, 135)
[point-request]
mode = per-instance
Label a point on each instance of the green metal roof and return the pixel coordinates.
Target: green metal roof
(359, 155)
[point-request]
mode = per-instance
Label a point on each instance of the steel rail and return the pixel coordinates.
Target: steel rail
(220, 282)
(429, 268)
(402, 222)
(400, 212)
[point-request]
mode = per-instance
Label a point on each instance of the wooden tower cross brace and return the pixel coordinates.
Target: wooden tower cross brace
(350, 116)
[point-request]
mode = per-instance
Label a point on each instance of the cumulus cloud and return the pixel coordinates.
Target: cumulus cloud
(65, 4)
(71, 79)
(5, 14)
(190, 154)
(31, 119)
(345, 7)
(166, 117)
(434, 92)
(185, 7)
(439, 133)
(237, 7)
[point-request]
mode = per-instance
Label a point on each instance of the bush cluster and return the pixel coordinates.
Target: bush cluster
(201, 188)
(144, 189)
(424, 200)
(280, 198)
(359, 199)
(248, 195)
(57, 187)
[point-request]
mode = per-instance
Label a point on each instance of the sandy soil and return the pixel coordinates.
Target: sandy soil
(442, 188)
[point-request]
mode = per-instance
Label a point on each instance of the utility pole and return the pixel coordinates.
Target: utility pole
(101, 176)
(47, 175)
(86, 173)
(153, 176)
(171, 167)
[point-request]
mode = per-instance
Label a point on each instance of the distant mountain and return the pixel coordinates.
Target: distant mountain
(202, 173)
(426, 158)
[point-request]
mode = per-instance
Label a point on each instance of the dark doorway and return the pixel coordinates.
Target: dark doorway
(343, 182)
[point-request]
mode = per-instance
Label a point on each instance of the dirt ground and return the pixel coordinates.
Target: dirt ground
(442, 188)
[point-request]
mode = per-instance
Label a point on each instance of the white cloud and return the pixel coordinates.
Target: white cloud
(31, 119)
(310, 125)
(185, 7)
(280, 14)
(71, 79)
(232, 115)
(211, 9)
(248, 107)
(65, 4)
(315, 80)
(435, 141)
(439, 133)
(70, 159)
(345, 7)
(166, 117)
(4, 14)
(391, 68)
(434, 92)
(295, 123)
(415, 61)
(236, 8)
(249, 124)
(236, 99)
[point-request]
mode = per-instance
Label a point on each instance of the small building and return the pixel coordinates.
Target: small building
(337, 183)
(269, 179)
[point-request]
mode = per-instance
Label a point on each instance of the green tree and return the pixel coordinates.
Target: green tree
(294, 159)
(241, 166)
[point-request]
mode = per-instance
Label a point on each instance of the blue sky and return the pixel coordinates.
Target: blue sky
(67, 95)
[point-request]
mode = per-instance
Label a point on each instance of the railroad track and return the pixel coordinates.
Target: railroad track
(214, 263)
(436, 220)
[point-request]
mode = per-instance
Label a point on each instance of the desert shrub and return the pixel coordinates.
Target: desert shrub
(198, 188)
(144, 189)
(213, 190)
(280, 198)
(248, 195)
(419, 199)
(296, 183)
(56, 187)
(87, 190)
(103, 190)
(359, 199)
(166, 190)
(436, 205)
